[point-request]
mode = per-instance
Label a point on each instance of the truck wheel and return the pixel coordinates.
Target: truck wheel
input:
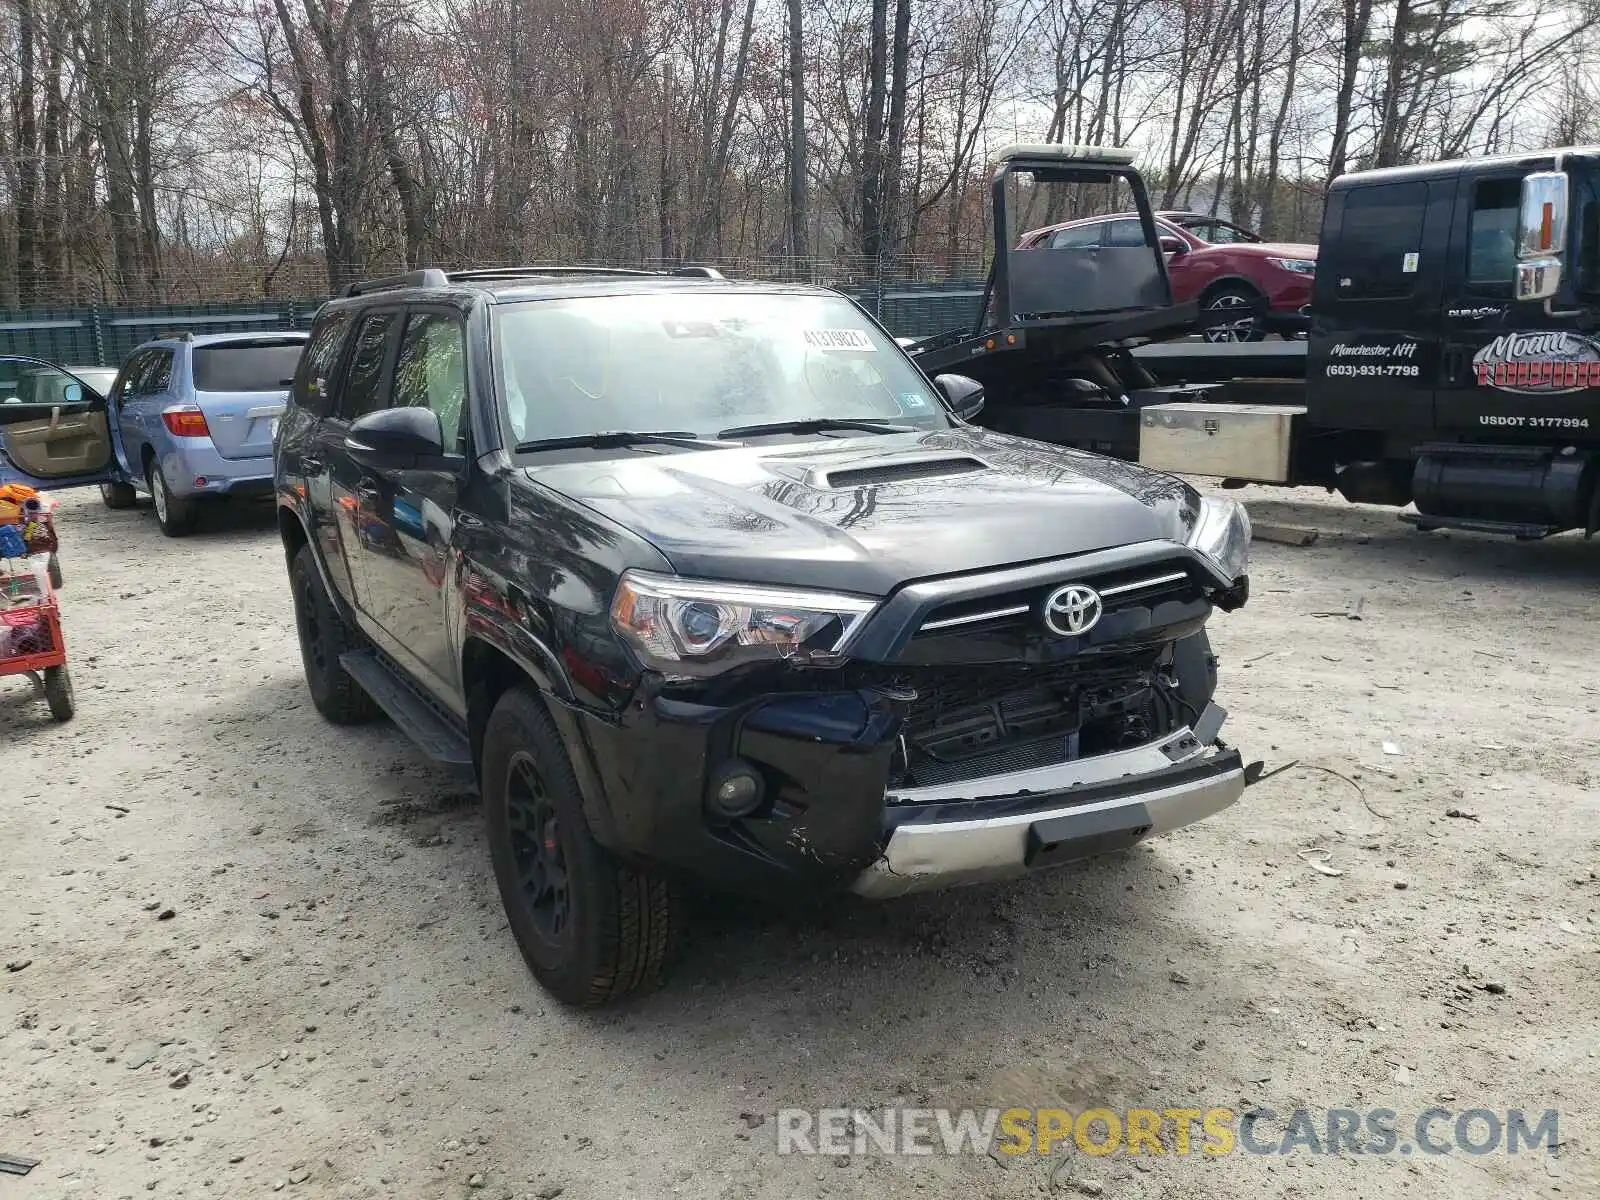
(1234, 299)
(591, 928)
(324, 636)
(58, 692)
(118, 495)
(175, 514)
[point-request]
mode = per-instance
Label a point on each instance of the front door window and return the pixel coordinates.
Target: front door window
(431, 372)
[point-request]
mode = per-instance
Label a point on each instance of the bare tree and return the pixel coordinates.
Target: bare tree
(798, 182)
(200, 148)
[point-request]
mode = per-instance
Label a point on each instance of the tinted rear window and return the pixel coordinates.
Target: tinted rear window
(246, 368)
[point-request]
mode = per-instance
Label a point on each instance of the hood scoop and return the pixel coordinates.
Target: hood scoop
(901, 468)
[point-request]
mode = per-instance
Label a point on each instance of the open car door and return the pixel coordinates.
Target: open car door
(53, 429)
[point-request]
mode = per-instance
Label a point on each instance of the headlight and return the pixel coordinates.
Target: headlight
(1296, 266)
(699, 627)
(1222, 534)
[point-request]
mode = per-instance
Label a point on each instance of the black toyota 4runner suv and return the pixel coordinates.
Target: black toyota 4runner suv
(705, 582)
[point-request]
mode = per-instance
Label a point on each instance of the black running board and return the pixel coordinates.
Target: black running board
(1527, 531)
(417, 718)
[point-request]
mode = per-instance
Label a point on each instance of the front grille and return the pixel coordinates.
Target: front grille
(969, 722)
(1145, 586)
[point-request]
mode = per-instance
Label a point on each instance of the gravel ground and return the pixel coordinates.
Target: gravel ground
(261, 952)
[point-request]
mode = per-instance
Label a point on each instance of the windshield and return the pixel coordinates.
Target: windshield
(700, 362)
(246, 366)
(1218, 233)
(99, 378)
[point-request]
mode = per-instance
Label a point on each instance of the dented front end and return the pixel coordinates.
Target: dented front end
(958, 736)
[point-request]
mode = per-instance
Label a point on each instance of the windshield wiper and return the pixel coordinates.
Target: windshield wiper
(816, 425)
(607, 438)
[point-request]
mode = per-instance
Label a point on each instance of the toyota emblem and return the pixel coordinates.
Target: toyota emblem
(1072, 610)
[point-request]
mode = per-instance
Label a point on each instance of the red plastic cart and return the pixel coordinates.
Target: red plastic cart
(30, 619)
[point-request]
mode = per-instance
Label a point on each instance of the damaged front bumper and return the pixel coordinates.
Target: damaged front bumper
(832, 824)
(1006, 825)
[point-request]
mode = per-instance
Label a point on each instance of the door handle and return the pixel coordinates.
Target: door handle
(1453, 360)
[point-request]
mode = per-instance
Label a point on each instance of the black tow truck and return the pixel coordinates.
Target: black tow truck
(1451, 362)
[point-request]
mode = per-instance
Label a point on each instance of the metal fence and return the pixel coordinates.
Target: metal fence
(104, 336)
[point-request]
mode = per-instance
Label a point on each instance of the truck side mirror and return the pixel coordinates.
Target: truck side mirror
(1541, 234)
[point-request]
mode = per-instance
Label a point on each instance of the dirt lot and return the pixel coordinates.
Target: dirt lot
(334, 1006)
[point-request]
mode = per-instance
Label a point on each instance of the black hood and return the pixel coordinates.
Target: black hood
(869, 513)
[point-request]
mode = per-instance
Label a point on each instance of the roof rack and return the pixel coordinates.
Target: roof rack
(433, 277)
(427, 277)
(176, 335)
(520, 272)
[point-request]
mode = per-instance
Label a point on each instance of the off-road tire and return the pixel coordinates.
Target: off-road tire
(622, 924)
(324, 637)
(58, 692)
(175, 514)
(118, 495)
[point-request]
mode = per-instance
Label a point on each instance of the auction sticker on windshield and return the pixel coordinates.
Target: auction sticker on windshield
(838, 339)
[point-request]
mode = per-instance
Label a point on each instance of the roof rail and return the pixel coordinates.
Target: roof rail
(428, 277)
(176, 335)
(521, 272)
(432, 277)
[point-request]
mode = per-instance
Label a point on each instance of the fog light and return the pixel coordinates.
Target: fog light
(199, 481)
(734, 790)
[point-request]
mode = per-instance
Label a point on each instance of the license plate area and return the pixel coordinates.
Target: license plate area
(1074, 836)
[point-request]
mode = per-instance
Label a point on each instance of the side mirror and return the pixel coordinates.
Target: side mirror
(71, 394)
(1173, 245)
(964, 394)
(1541, 234)
(396, 439)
